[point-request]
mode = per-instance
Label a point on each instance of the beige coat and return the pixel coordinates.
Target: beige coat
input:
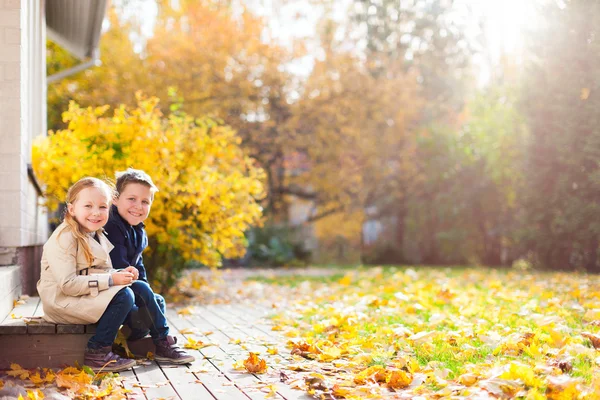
(68, 297)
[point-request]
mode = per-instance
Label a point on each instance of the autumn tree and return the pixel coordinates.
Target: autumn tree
(208, 185)
(561, 102)
(206, 59)
(355, 130)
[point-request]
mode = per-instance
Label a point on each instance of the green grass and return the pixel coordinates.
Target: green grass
(488, 319)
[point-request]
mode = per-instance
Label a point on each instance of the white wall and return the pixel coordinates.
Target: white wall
(22, 118)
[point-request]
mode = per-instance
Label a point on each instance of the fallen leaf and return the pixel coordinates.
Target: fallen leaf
(196, 344)
(254, 364)
(562, 387)
(398, 379)
(17, 371)
(595, 339)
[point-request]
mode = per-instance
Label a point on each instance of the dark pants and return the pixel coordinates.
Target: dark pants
(148, 314)
(112, 319)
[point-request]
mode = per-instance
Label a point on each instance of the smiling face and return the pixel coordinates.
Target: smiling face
(90, 209)
(134, 203)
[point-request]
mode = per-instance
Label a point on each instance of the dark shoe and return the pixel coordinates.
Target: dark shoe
(167, 351)
(107, 361)
(141, 347)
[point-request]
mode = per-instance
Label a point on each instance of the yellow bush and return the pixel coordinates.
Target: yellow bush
(208, 186)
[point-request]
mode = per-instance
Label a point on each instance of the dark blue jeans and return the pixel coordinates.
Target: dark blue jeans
(112, 319)
(148, 314)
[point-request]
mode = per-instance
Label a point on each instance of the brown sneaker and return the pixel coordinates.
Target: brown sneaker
(107, 361)
(167, 351)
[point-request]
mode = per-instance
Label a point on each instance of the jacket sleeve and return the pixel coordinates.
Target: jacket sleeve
(62, 260)
(118, 255)
(141, 269)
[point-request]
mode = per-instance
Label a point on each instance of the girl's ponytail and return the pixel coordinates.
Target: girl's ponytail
(80, 237)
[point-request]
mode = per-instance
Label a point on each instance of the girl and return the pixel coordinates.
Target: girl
(78, 284)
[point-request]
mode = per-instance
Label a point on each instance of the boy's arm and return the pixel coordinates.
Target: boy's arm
(118, 255)
(141, 269)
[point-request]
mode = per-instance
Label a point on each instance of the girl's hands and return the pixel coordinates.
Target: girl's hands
(123, 277)
(134, 271)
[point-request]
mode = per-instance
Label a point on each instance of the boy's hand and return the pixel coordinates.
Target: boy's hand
(122, 277)
(134, 271)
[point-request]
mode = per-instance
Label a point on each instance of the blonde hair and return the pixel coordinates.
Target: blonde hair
(78, 233)
(131, 175)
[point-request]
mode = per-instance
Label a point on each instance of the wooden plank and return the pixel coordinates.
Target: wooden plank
(41, 327)
(50, 351)
(37, 325)
(246, 331)
(214, 379)
(237, 315)
(154, 383)
(13, 327)
(252, 340)
(186, 384)
(63, 329)
(129, 379)
(16, 325)
(229, 353)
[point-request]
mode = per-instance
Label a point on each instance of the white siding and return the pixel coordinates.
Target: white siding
(22, 118)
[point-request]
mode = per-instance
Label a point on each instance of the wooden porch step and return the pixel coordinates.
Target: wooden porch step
(28, 340)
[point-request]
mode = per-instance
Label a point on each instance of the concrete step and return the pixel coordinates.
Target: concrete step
(10, 288)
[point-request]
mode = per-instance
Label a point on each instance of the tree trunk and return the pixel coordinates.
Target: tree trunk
(592, 255)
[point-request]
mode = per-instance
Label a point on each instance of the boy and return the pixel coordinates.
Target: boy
(125, 230)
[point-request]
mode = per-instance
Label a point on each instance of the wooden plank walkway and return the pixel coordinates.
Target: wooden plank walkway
(230, 330)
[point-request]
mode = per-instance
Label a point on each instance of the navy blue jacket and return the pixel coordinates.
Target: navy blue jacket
(129, 241)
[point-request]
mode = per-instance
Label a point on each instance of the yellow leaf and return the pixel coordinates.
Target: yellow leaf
(37, 395)
(346, 280)
(36, 379)
(50, 376)
(562, 387)
(239, 365)
(468, 379)
(70, 379)
(523, 372)
(330, 353)
(272, 350)
(399, 379)
(185, 311)
(122, 341)
(369, 373)
(195, 344)
(585, 93)
(17, 371)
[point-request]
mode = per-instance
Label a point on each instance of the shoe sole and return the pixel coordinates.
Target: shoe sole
(108, 368)
(184, 360)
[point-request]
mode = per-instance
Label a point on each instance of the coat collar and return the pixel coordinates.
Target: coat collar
(114, 213)
(104, 247)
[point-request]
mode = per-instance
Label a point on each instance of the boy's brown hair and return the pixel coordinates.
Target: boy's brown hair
(131, 175)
